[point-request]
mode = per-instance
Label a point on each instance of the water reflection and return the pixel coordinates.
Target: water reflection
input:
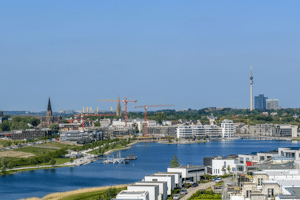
(152, 157)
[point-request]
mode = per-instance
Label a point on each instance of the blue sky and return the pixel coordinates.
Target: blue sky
(193, 54)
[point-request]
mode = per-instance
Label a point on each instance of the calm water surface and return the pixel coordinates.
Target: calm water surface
(152, 157)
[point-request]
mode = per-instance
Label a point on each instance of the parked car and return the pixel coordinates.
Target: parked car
(219, 180)
(183, 192)
(213, 179)
(194, 185)
(176, 196)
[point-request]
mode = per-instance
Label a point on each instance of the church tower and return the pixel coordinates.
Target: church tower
(49, 110)
(119, 108)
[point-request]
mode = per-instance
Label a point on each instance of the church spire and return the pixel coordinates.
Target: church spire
(49, 110)
(49, 105)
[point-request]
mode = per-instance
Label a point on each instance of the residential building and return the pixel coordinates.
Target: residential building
(227, 128)
(190, 172)
(162, 187)
(81, 136)
(198, 131)
(274, 130)
(138, 195)
(272, 104)
(153, 190)
(178, 177)
(260, 102)
(105, 122)
(221, 167)
(161, 131)
(270, 184)
(30, 133)
(170, 179)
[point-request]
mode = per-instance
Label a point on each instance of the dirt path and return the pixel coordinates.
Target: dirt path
(15, 154)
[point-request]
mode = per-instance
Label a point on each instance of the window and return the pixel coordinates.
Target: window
(247, 159)
(248, 193)
(261, 158)
(225, 164)
(259, 181)
(270, 192)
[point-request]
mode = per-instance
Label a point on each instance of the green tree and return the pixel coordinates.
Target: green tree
(71, 160)
(204, 137)
(4, 162)
(160, 117)
(228, 168)
(169, 138)
(54, 127)
(34, 121)
(97, 124)
(5, 126)
(174, 162)
(53, 161)
(223, 169)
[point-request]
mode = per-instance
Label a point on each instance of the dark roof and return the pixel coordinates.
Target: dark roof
(49, 105)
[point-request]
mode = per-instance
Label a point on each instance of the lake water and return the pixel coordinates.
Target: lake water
(152, 157)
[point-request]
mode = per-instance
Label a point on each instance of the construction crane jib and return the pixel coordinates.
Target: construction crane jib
(125, 101)
(146, 107)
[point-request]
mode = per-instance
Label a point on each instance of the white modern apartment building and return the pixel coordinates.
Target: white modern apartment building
(170, 179)
(190, 172)
(153, 190)
(272, 104)
(198, 131)
(140, 195)
(162, 187)
(227, 128)
(223, 166)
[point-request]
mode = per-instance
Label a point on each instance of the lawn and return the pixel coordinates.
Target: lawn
(102, 194)
(56, 145)
(38, 151)
(205, 195)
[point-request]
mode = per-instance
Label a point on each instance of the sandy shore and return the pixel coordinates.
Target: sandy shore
(59, 195)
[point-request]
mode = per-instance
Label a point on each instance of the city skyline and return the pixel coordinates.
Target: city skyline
(190, 54)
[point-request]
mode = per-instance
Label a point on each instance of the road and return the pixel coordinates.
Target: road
(193, 190)
(201, 186)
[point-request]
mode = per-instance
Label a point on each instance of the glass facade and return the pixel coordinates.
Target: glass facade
(260, 102)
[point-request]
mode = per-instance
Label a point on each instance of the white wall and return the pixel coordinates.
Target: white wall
(125, 194)
(178, 177)
(153, 190)
(217, 165)
(163, 188)
(169, 179)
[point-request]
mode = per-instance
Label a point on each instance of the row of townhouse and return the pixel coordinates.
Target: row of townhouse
(243, 163)
(159, 186)
(270, 184)
(274, 130)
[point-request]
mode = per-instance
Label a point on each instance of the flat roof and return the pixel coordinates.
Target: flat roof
(167, 173)
(162, 175)
(142, 185)
(132, 192)
(188, 166)
(152, 182)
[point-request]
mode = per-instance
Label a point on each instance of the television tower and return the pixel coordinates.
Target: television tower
(251, 90)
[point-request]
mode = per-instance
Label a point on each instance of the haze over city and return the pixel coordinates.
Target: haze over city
(193, 54)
